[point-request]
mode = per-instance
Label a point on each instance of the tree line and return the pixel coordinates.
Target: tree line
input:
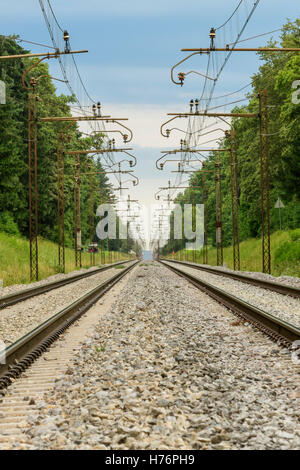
(278, 74)
(14, 156)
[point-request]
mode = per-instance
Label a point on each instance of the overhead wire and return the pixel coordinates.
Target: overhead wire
(215, 68)
(71, 74)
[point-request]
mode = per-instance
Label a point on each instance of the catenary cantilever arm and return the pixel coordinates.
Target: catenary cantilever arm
(181, 62)
(114, 121)
(164, 124)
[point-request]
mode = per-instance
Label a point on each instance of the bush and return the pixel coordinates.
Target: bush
(288, 251)
(295, 235)
(7, 224)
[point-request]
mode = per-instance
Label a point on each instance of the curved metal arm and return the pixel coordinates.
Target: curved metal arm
(120, 132)
(181, 62)
(122, 125)
(132, 156)
(161, 127)
(135, 183)
(28, 70)
(156, 197)
(161, 167)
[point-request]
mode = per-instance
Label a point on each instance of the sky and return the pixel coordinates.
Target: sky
(132, 46)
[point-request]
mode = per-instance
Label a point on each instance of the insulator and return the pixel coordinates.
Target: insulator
(181, 77)
(66, 36)
(212, 36)
(66, 39)
(212, 33)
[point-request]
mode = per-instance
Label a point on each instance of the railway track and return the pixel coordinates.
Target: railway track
(270, 285)
(23, 352)
(161, 348)
(276, 328)
(16, 297)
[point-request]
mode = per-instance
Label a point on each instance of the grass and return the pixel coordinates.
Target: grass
(14, 259)
(285, 259)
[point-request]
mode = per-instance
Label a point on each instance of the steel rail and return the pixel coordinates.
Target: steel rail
(25, 294)
(276, 328)
(264, 284)
(21, 354)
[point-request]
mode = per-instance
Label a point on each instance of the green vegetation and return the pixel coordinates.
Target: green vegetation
(14, 172)
(277, 74)
(285, 248)
(14, 151)
(14, 256)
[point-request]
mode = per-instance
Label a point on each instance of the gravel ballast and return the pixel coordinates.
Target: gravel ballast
(169, 368)
(19, 319)
(282, 306)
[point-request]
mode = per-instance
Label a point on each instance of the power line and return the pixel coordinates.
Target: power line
(55, 19)
(227, 104)
(258, 36)
(228, 94)
(227, 21)
(100, 127)
(29, 42)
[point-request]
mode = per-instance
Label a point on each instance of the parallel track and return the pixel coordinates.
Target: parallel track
(270, 285)
(25, 294)
(20, 355)
(274, 327)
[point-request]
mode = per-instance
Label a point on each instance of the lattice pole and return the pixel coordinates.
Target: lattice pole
(204, 202)
(92, 218)
(61, 203)
(32, 175)
(264, 181)
(77, 221)
(234, 200)
(219, 238)
(194, 224)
